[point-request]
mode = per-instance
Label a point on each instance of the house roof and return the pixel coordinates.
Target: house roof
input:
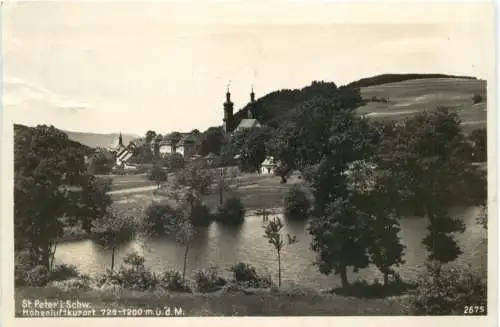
(248, 123)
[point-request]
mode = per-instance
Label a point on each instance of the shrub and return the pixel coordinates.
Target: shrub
(135, 276)
(201, 215)
(246, 274)
(447, 292)
(209, 280)
(157, 174)
(36, 276)
(109, 279)
(172, 281)
(78, 283)
(160, 217)
(477, 98)
(297, 203)
(63, 272)
(232, 212)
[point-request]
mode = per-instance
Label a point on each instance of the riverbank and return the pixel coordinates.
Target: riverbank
(287, 302)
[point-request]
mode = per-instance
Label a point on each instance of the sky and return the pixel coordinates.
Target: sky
(130, 68)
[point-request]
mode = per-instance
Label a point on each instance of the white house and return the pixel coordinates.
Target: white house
(268, 166)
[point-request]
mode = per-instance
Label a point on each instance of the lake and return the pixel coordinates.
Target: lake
(225, 246)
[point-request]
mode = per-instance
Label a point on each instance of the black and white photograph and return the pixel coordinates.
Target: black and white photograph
(179, 160)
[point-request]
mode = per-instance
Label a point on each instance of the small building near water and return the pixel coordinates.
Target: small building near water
(268, 166)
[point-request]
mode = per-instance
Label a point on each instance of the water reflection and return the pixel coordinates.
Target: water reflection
(227, 245)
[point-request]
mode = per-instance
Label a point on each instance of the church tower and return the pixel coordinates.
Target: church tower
(228, 113)
(251, 106)
(120, 140)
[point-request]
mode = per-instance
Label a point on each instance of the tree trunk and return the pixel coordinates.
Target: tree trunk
(221, 195)
(113, 258)
(386, 278)
(343, 276)
(279, 269)
(53, 255)
(185, 261)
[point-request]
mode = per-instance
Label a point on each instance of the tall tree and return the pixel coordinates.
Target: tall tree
(211, 141)
(426, 167)
(50, 172)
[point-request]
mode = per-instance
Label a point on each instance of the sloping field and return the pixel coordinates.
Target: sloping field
(406, 98)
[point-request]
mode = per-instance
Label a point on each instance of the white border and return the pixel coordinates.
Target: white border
(280, 12)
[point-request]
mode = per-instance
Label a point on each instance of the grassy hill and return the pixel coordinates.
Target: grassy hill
(405, 98)
(389, 96)
(393, 78)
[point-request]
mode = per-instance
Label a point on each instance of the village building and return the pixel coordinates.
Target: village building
(268, 166)
(250, 121)
(121, 152)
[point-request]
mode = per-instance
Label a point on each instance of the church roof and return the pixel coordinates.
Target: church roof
(248, 123)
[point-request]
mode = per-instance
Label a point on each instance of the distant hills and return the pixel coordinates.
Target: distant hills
(94, 140)
(403, 95)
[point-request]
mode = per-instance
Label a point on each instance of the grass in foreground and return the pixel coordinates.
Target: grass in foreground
(216, 304)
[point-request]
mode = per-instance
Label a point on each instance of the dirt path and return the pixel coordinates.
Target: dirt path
(134, 190)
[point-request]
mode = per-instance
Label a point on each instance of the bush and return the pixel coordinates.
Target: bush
(448, 292)
(135, 276)
(477, 98)
(160, 217)
(63, 272)
(172, 281)
(132, 275)
(79, 283)
(209, 280)
(246, 274)
(201, 215)
(36, 276)
(157, 174)
(297, 203)
(232, 212)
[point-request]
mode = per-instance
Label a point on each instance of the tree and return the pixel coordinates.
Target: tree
(174, 161)
(272, 232)
(113, 230)
(339, 238)
(92, 203)
(197, 179)
(384, 244)
(182, 227)
(156, 146)
(249, 145)
(212, 140)
(100, 163)
(158, 175)
(150, 136)
(50, 174)
(426, 167)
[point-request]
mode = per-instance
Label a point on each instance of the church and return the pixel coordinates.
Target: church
(229, 122)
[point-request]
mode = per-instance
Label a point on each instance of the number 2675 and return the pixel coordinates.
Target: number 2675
(474, 309)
